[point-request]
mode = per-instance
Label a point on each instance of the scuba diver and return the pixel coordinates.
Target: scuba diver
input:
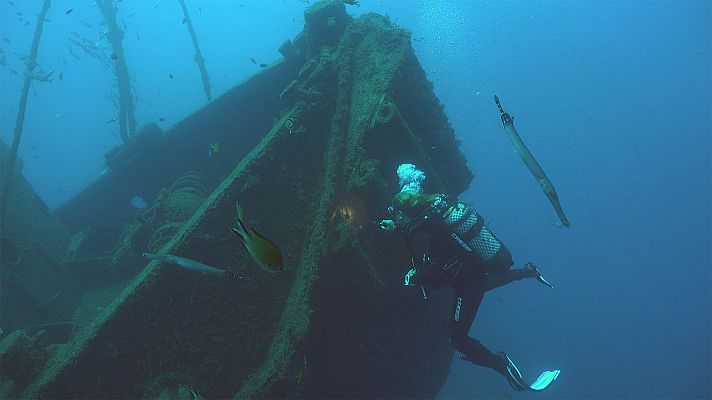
(450, 246)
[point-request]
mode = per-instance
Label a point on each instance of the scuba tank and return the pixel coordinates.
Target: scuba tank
(468, 229)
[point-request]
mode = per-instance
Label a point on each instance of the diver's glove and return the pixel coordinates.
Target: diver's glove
(410, 277)
(387, 225)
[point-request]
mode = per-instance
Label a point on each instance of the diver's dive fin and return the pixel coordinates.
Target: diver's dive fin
(541, 383)
(515, 379)
(514, 376)
(544, 281)
(544, 380)
(539, 277)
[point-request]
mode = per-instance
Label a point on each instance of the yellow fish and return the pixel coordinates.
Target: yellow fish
(265, 253)
(215, 149)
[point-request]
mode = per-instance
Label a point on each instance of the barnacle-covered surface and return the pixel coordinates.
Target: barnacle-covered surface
(338, 322)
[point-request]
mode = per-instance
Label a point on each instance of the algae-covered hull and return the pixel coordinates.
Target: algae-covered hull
(347, 104)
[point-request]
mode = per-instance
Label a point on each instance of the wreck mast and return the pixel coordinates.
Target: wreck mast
(29, 76)
(198, 56)
(126, 104)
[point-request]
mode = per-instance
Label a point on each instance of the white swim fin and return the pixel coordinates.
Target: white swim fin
(517, 381)
(544, 380)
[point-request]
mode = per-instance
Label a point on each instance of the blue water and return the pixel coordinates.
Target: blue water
(613, 98)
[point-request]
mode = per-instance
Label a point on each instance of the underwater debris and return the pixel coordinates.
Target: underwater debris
(271, 334)
(302, 372)
(26, 353)
(40, 76)
(144, 140)
(384, 112)
(10, 253)
(198, 57)
(289, 90)
(114, 36)
(289, 50)
(331, 22)
(289, 124)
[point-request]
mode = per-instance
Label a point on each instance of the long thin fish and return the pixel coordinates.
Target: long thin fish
(191, 265)
(531, 163)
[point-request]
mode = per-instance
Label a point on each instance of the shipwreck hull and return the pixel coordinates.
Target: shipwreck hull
(338, 323)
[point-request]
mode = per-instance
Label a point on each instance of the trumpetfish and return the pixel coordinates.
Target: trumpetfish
(192, 265)
(531, 163)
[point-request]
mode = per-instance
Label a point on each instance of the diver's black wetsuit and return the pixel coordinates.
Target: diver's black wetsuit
(441, 262)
